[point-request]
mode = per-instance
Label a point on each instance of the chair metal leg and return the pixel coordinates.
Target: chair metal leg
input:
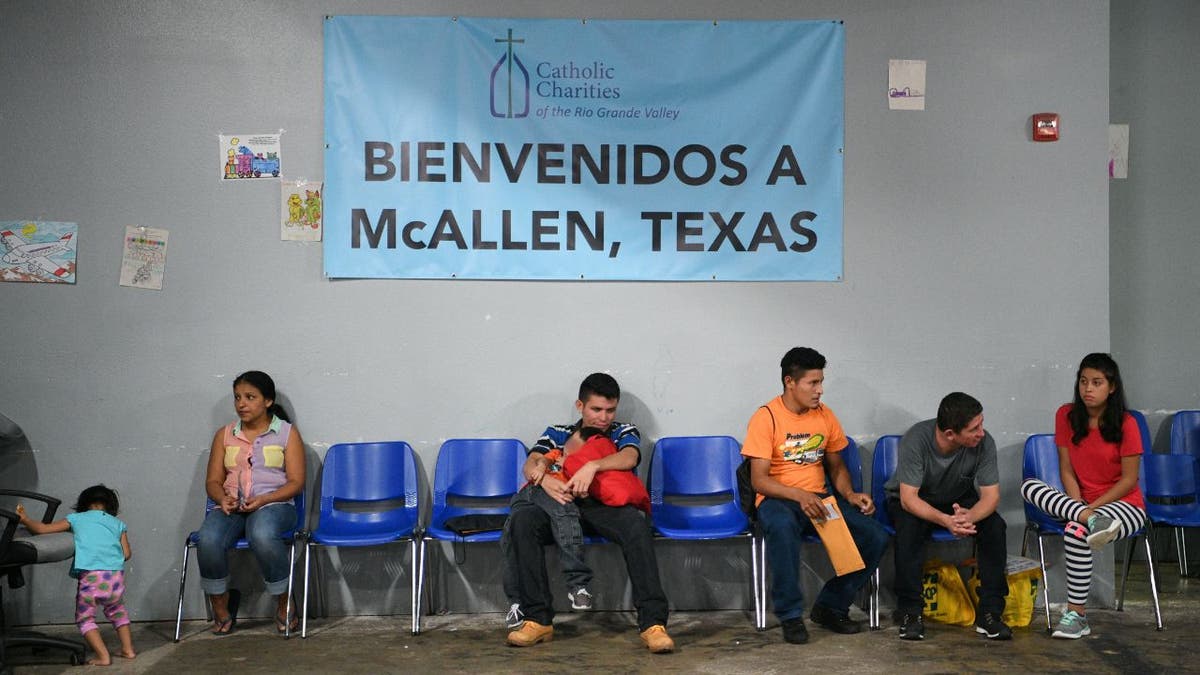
(1125, 576)
(419, 573)
(1045, 579)
(304, 610)
(756, 561)
(322, 609)
(412, 553)
(1153, 580)
(182, 582)
(873, 620)
(762, 583)
(287, 606)
(1183, 550)
(754, 578)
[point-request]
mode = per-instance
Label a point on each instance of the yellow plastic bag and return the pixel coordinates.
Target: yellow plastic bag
(946, 598)
(1024, 584)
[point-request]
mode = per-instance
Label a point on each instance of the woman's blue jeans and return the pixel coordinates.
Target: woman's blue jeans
(267, 531)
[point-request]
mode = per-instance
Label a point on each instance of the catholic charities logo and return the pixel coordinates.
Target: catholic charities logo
(509, 82)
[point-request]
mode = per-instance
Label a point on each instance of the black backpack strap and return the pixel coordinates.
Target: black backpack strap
(747, 498)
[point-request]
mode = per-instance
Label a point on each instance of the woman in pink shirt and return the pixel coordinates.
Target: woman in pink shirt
(255, 470)
(1099, 455)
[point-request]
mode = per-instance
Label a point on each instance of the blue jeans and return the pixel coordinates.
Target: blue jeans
(266, 529)
(568, 535)
(783, 523)
(529, 529)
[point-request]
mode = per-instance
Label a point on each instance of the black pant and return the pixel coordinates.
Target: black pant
(529, 531)
(913, 532)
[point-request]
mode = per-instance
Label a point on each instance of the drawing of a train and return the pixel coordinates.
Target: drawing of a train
(251, 165)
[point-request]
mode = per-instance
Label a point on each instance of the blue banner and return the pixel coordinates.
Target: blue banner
(567, 149)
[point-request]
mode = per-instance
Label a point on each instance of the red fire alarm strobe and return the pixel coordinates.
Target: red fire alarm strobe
(1045, 127)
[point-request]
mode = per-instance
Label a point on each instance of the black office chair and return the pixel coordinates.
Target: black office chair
(19, 548)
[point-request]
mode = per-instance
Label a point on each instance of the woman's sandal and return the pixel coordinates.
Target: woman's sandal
(283, 628)
(225, 626)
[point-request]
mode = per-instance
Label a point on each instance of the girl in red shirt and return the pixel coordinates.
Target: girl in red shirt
(1099, 454)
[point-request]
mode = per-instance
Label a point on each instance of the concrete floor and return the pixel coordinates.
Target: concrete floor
(707, 642)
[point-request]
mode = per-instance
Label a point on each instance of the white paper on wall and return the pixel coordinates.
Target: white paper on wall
(906, 84)
(144, 259)
(300, 211)
(1118, 151)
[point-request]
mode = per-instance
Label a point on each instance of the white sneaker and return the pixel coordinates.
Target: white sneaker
(515, 617)
(580, 599)
(1072, 626)
(1102, 530)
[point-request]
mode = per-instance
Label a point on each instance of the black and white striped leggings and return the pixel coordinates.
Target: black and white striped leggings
(1056, 504)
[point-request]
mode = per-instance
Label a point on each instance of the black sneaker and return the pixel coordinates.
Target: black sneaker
(990, 625)
(794, 631)
(838, 623)
(912, 627)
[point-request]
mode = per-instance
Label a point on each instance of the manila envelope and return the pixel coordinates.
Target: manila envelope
(838, 543)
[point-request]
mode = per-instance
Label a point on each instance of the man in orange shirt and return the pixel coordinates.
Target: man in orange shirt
(795, 444)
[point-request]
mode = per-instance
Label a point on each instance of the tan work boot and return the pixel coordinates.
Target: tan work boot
(530, 633)
(656, 639)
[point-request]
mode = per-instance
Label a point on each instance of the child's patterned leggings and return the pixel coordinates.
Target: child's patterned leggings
(1076, 551)
(100, 589)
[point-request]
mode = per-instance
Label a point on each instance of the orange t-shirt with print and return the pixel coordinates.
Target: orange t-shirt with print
(795, 444)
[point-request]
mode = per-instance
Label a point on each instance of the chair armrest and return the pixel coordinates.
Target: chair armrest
(10, 529)
(51, 503)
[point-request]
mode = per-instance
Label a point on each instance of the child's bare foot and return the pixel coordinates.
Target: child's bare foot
(127, 654)
(98, 662)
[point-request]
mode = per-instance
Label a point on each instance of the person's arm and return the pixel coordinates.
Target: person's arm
(622, 460)
(1066, 472)
(535, 467)
(910, 501)
(839, 475)
(214, 482)
(765, 485)
(38, 527)
(294, 469)
(1130, 465)
(989, 499)
(125, 545)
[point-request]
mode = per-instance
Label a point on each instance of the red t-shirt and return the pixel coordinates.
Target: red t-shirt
(1097, 463)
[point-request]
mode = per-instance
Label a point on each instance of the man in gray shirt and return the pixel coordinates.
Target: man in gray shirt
(946, 476)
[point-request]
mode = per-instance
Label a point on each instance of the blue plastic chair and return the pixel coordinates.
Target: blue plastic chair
(242, 544)
(852, 458)
(1185, 436)
(1040, 460)
(883, 466)
(694, 496)
(1170, 489)
(368, 498)
(1185, 433)
(473, 476)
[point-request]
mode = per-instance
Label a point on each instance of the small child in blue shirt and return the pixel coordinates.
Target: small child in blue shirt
(101, 549)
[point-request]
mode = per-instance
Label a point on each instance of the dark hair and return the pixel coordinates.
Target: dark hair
(98, 494)
(956, 411)
(800, 360)
(1113, 417)
(265, 386)
(599, 384)
(587, 432)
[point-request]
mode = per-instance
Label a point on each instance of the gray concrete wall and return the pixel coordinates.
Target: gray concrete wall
(962, 243)
(1154, 280)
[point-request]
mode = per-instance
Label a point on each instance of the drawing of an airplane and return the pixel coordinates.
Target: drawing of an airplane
(37, 254)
